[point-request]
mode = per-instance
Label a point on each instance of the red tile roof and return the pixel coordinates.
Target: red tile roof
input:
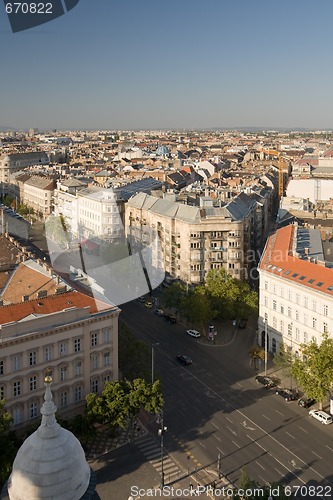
(278, 259)
(52, 304)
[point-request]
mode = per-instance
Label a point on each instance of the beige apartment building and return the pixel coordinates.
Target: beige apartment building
(193, 239)
(38, 194)
(69, 335)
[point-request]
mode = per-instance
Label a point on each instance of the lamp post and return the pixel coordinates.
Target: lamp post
(153, 362)
(265, 322)
(161, 432)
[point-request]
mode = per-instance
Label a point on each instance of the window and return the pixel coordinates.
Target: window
(94, 361)
(274, 323)
(305, 302)
(63, 398)
(63, 373)
(78, 394)
(2, 392)
(297, 315)
(281, 327)
(16, 362)
(77, 368)
(107, 359)
(297, 298)
(325, 310)
(77, 345)
(273, 345)
(314, 305)
(16, 388)
(33, 383)
(94, 386)
(274, 288)
(2, 367)
(266, 301)
(314, 322)
(297, 334)
(305, 319)
(305, 337)
(290, 296)
(32, 358)
(48, 353)
(282, 292)
(282, 309)
(266, 285)
(325, 327)
(33, 409)
(63, 348)
(93, 339)
(290, 329)
(289, 312)
(274, 305)
(17, 415)
(106, 334)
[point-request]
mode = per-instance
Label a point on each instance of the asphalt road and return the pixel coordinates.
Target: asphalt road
(214, 407)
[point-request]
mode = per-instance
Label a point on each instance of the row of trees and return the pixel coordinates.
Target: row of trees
(222, 297)
(313, 370)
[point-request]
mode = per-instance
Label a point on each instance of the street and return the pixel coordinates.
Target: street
(214, 407)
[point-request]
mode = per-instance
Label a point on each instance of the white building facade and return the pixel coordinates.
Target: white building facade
(295, 290)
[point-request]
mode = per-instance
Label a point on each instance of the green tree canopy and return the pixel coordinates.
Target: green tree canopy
(232, 298)
(174, 295)
(314, 370)
(123, 400)
(196, 306)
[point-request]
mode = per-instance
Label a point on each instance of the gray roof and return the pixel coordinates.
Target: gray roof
(143, 185)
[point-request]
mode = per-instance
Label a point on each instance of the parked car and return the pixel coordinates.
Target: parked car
(159, 312)
(305, 402)
(149, 304)
(170, 318)
(184, 360)
(193, 333)
(141, 299)
(242, 323)
(287, 394)
(265, 381)
(322, 416)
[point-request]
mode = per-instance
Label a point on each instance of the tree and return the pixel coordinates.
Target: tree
(315, 369)
(174, 295)
(196, 306)
(256, 353)
(122, 401)
(8, 444)
(232, 298)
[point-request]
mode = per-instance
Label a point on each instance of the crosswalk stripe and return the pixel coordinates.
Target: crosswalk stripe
(152, 452)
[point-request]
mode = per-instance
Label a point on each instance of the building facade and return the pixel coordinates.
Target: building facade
(69, 336)
(295, 290)
(193, 239)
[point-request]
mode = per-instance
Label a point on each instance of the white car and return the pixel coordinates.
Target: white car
(193, 333)
(322, 416)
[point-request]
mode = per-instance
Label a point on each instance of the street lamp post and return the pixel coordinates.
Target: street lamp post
(161, 432)
(153, 362)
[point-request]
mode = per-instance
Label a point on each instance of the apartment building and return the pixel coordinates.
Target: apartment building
(69, 335)
(193, 239)
(38, 194)
(295, 291)
(18, 161)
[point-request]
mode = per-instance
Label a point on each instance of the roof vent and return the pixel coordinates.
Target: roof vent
(41, 294)
(25, 298)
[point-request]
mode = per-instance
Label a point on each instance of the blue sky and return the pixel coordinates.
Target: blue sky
(171, 64)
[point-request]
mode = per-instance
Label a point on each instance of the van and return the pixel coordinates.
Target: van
(322, 416)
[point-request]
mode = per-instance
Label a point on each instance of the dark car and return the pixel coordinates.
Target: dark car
(184, 360)
(265, 381)
(305, 402)
(242, 323)
(159, 312)
(287, 394)
(170, 318)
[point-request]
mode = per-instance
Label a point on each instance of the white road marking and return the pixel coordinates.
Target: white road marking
(290, 435)
(316, 454)
(303, 429)
(233, 432)
(215, 425)
(202, 444)
(216, 437)
(220, 450)
(260, 446)
(329, 447)
(229, 420)
(235, 444)
(266, 417)
(277, 411)
(263, 468)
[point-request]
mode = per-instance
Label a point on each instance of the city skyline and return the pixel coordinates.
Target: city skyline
(188, 65)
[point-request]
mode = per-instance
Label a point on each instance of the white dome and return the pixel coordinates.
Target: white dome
(51, 463)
